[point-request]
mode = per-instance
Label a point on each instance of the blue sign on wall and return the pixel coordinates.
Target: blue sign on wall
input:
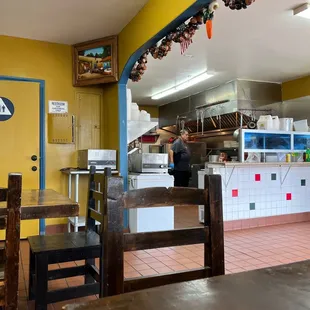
(6, 109)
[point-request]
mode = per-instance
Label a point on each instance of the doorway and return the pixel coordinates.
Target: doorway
(22, 138)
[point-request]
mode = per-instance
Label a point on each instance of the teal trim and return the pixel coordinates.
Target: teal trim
(42, 130)
(123, 166)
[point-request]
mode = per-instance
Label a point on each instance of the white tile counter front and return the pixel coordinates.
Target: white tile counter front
(262, 190)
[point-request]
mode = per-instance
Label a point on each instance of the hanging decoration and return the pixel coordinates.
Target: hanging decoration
(139, 68)
(183, 35)
(208, 15)
(238, 4)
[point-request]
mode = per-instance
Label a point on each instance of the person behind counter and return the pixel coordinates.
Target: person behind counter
(180, 157)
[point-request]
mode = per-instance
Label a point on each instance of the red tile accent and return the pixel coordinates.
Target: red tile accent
(288, 196)
(235, 193)
(257, 177)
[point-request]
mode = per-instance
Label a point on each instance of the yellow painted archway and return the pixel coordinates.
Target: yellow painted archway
(151, 24)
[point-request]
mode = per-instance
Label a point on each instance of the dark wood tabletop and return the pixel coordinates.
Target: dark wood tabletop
(37, 204)
(277, 288)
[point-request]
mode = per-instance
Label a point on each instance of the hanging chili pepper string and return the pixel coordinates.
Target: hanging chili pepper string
(183, 35)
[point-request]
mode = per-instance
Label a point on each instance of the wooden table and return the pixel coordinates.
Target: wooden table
(277, 288)
(41, 204)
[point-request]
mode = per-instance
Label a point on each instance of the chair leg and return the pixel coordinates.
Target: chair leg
(88, 277)
(102, 292)
(31, 274)
(41, 281)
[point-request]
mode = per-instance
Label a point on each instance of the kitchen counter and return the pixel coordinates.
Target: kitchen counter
(259, 194)
(273, 164)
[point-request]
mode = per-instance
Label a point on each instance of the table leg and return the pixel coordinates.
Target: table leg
(76, 219)
(70, 186)
(70, 196)
(31, 285)
(41, 270)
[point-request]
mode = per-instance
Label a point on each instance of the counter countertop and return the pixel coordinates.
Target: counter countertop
(238, 164)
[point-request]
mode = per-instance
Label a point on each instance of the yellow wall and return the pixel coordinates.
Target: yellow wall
(153, 110)
(52, 63)
(296, 88)
(152, 18)
(110, 103)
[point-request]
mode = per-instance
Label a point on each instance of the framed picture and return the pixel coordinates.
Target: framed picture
(95, 62)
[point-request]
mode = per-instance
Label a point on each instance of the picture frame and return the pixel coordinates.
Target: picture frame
(95, 62)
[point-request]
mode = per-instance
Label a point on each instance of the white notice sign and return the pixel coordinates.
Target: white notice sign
(57, 106)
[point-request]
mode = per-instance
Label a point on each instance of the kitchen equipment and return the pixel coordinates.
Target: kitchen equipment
(156, 148)
(149, 162)
(150, 219)
(251, 124)
(214, 158)
(236, 134)
(99, 158)
(301, 125)
(286, 124)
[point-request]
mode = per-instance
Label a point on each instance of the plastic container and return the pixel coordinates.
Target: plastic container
(301, 125)
(265, 122)
(143, 116)
(135, 113)
(275, 123)
(129, 99)
(286, 124)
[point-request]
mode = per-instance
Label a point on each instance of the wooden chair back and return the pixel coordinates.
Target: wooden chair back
(96, 213)
(116, 242)
(9, 255)
(95, 198)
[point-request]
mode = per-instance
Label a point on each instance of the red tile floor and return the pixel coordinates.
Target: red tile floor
(244, 250)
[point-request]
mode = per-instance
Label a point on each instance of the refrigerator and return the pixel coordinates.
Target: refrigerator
(150, 219)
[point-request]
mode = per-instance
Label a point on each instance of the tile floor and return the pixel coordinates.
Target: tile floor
(244, 250)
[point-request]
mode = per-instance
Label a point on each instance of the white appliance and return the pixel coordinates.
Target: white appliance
(201, 185)
(150, 219)
(99, 158)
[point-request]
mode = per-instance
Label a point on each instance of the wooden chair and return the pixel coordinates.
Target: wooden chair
(9, 255)
(116, 242)
(60, 248)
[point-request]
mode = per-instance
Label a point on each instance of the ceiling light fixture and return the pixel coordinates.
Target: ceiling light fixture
(190, 82)
(303, 11)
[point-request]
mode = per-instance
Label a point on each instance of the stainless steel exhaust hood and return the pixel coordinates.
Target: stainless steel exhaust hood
(224, 107)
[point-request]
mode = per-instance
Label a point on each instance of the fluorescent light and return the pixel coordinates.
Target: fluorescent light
(303, 11)
(193, 81)
(165, 93)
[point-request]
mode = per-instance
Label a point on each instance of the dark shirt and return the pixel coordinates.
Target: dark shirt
(181, 155)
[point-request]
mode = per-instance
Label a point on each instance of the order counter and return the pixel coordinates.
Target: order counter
(260, 194)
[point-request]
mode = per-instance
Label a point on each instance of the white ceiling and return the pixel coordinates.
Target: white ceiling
(264, 42)
(66, 21)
